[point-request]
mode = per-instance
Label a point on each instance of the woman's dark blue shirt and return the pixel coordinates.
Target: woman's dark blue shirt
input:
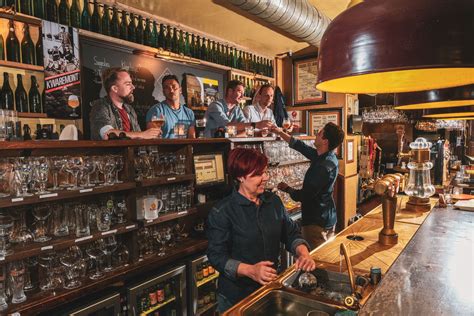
(240, 231)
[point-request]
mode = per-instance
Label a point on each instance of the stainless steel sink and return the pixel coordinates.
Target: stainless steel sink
(332, 286)
(283, 302)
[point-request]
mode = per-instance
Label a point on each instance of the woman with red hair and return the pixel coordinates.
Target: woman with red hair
(245, 230)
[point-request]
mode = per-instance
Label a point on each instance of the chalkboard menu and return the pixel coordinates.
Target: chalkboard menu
(146, 72)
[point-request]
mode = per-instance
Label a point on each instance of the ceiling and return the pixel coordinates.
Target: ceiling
(218, 19)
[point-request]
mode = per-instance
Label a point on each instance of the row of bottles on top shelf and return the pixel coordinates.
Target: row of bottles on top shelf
(204, 270)
(25, 52)
(63, 269)
(20, 100)
(134, 28)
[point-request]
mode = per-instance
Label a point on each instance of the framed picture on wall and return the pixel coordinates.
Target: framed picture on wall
(319, 118)
(305, 76)
(349, 151)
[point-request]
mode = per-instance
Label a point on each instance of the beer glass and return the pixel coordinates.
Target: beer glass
(17, 281)
(82, 220)
(41, 213)
(6, 224)
(73, 102)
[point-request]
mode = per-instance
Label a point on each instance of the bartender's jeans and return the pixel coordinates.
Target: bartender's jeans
(316, 235)
(223, 303)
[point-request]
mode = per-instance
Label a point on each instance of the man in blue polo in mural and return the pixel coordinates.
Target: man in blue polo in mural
(179, 120)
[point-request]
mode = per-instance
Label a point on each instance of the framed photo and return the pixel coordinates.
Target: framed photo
(349, 150)
(352, 104)
(305, 76)
(318, 119)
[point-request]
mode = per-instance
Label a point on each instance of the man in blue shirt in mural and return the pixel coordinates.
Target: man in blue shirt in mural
(179, 120)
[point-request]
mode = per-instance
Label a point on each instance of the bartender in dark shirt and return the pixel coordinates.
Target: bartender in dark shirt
(317, 204)
(245, 230)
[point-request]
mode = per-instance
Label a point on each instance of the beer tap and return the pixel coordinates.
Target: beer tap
(387, 187)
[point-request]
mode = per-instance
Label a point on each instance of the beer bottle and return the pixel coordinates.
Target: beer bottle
(154, 35)
(21, 100)
(27, 47)
(210, 50)
(174, 42)
(86, 16)
(219, 54)
(192, 46)
(25, 7)
(13, 46)
(147, 33)
(187, 45)
(52, 11)
(38, 9)
(132, 30)
(240, 60)
(115, 24)
(75, 14)
(2, 48)
(106, 21)
(64, 13)
(227, 56)
(161, 37)
(39, 49)
(181, 43)
(203, 49)
(34, 97)
(140, 30)
(168, 38)
(6, 96)
(124, 26)
(198, 48)
(96, 21)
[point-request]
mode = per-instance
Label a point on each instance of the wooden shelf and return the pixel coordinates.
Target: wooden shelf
(57, 243)
(154, 308)
(64, 194)
(13, 64)
(32, 115)
(48, 300)
(198, 108)
(168, 217)
(165, 180)
(208, 279)
(9, 14)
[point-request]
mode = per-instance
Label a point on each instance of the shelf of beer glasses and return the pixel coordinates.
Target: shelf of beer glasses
(165, 180)
(168, 217)
(57, 243)
(11, 201)
(47, 300)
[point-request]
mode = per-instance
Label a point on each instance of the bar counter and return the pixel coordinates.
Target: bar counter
(429, 271)
(434, 273)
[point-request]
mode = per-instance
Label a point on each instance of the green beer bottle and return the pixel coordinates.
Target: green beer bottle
(96, 21)
(27, 47)
(124, 26)
(75, 14)
(106, 21)
(13, 45)
(86, 16)
(21, 99)
(115, 23)
(64, 13)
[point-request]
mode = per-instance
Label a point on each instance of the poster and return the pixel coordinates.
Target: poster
(306, 77)
(61, 71)
(201, 91)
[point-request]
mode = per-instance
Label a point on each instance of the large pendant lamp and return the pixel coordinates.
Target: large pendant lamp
(381, 46)
(435, 99)
(463, 111)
